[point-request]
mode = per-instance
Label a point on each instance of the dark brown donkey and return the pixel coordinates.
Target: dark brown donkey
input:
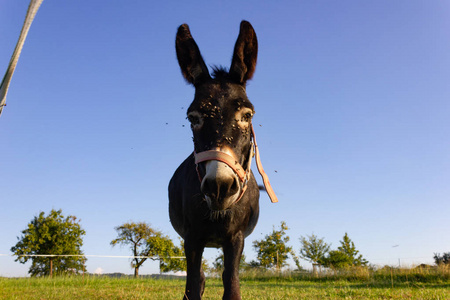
(213, 195)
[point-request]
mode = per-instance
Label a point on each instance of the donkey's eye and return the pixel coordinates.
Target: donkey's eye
(195, 119)
(246, 117)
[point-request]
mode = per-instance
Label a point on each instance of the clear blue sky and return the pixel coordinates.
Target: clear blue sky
(352, 104)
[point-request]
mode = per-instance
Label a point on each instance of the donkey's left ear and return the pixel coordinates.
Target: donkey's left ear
(245, 53)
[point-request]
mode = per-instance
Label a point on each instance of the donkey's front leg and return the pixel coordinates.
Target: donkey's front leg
(195, 279)
(232, 252)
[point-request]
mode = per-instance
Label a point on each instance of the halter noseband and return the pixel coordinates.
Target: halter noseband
(243, 174)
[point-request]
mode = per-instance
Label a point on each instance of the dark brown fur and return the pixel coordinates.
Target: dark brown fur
(217, 99)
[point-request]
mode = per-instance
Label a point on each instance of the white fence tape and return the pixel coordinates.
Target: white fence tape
(92, 255)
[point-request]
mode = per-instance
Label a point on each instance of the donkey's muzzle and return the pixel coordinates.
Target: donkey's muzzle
(220, 185)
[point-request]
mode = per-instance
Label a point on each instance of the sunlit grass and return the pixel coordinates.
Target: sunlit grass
(360, 283)
(89, 287)
(387, 274)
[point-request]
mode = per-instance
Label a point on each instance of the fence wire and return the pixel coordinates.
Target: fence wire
(93, 255)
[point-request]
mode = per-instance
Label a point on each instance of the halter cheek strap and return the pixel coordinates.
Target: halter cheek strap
(243, 174)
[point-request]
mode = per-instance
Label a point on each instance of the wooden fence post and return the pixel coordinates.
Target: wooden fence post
(51, 267)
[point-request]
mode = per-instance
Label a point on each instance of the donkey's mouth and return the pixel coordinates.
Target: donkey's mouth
(216, 204)
(217, 212)
(216, 215)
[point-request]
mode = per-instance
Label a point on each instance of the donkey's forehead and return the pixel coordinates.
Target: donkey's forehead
(220, 94)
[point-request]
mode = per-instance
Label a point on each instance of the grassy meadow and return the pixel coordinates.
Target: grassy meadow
(350, 284)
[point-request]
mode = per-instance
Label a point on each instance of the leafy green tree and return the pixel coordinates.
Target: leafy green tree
(145, 242)
(313, 249)
(56, 235)
(442, 259)
(171, 258)
(272, 251)
(336, 259)
(345, 256)
(135, 235)
(218, 264)
(348, 247)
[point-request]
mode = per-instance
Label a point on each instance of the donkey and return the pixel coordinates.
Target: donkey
(213, 195)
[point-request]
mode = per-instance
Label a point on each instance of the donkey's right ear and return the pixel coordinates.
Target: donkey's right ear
(190, 60)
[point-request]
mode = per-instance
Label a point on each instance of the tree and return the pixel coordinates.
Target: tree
(272, 251)
(170, 256)
(348, 247)
(135, 235)
(444, 259)
(218, 264)
(336, 259)
(313, 249)
(146, 242)
(345, 256)
(55, 235)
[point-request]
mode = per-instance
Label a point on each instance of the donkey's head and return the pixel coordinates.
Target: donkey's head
(220, 116)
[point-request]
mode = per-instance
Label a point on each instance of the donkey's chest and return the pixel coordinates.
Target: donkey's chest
(214, 227)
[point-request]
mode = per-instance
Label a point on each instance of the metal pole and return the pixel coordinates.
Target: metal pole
(32, 10)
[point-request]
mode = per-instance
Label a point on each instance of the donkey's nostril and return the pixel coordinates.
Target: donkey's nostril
(234, 188)
(210, 188)
(227, 187)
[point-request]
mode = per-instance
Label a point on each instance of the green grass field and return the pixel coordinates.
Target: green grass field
(382, 285)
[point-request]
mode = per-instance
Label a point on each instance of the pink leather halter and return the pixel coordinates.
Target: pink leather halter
(243, 174)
